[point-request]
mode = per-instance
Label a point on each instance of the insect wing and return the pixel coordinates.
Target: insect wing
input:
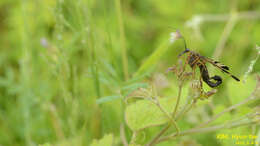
(222, 67)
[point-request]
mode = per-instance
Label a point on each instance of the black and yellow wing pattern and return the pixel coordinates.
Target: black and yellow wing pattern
(222, 67)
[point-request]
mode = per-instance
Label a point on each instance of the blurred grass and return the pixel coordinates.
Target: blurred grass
(58, 57)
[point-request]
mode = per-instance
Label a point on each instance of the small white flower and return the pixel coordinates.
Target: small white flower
(173, 36)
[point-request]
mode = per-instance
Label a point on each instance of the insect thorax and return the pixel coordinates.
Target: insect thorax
(193, 59)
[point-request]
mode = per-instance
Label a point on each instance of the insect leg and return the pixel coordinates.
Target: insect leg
(201, 85)
(193, 72)
(193, 66)
(184, 66)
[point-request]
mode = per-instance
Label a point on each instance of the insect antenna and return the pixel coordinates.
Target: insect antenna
(184, 41)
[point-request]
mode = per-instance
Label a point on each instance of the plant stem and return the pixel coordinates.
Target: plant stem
(199, 128)
(185, 109)
(225, 34)
(122, 134)
(122, 38)
(208, 129)
(226, 110)
(133, 139)
(178, 100)
(154, 140)
(168, 115)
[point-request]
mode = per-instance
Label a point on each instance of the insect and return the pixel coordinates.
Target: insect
(194, 60)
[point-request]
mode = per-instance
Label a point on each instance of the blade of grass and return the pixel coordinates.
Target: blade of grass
(107, 99)
(122, 38)
(153, 58)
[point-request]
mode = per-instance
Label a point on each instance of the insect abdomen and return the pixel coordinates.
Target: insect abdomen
(205, 77)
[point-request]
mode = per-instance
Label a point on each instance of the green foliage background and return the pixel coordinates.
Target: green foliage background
(59, 58)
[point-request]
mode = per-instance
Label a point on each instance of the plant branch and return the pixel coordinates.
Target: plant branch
(153, 141)
(156, 102)
(185, 109)
(178, 100)
(208, 129)
(200, 129)
(226, 110)
(250, 98)
(133, 139)
(122, 134)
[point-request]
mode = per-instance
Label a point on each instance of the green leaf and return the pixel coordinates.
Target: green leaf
(71, 141)
(126, 90)
(144, 113)
(107, 99)
(139, 77)
(107, 140)
(153, 58)
(135, 86)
